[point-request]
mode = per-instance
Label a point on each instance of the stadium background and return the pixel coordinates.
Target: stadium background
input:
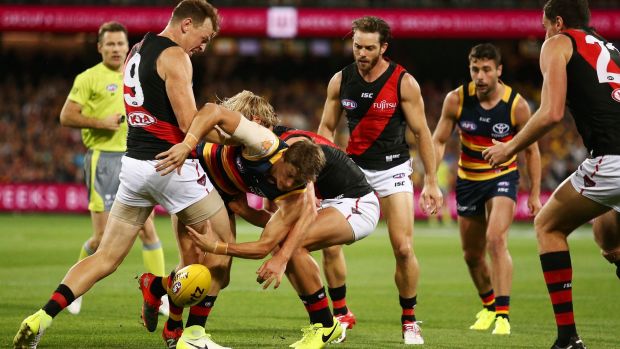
(44, 44)
(283, 50)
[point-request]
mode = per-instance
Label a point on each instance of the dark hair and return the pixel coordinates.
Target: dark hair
(575, 13)
(371, 24)
(198, 11)
(307, 157)
(110, 27)
(486, 51)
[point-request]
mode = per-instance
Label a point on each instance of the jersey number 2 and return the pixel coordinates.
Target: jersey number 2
(604, 76)
(132, 80)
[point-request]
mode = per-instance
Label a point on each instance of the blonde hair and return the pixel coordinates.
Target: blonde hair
(249, 104)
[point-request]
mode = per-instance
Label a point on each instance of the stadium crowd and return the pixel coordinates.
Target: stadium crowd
(35, 148)
(512, 4)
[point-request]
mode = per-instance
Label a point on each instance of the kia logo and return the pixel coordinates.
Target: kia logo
(137, 119)
(501, 128)
(615, 94)
(348, 104)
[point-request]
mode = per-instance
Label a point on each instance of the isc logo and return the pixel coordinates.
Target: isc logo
(367, 94)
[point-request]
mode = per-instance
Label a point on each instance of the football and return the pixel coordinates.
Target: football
(190, 285)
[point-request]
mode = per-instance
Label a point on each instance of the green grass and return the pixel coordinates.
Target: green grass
(37, 250)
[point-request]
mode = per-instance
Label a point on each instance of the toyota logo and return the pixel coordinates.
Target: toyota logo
(501, 128)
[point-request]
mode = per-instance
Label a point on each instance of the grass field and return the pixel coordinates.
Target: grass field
(37, 250)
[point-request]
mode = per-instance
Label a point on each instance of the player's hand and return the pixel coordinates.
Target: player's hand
(533, 204)
(111, 122)
(172, 159)
(271, 270)
(201, 240)
(497, 154)
(431, 198)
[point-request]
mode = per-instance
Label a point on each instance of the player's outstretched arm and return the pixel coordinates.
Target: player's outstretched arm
(554, 56)
(205, 121)
(273, 269)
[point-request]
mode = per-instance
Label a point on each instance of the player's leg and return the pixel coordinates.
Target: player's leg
(607, 235)
(398, 212)
(304, 274)
(335, 271)
(500, 216)
(209, 217)
(153, 256)
(121, 231)
(99, 186)
(565, 211)
(473, 241)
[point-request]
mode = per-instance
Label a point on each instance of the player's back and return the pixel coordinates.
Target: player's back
(593, 91)
(341, 177)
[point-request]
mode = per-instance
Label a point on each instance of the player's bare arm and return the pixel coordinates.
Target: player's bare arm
(205, 120)
(332, 111)
(175, 68)
(532, 158)
(412, 105)
(273, 269)
(554, 56)
(71, 116)
(446, 124)
(290, 210)
(257, 217)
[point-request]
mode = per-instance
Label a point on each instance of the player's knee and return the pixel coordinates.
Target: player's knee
(540, 226)
(332, 252)
(472, 259)
(403, 252)
(496, 245)
(221, 273)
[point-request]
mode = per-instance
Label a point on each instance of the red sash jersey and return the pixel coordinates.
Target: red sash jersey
(376, 121)
(479, 126)
(593, 91)
(153, 127)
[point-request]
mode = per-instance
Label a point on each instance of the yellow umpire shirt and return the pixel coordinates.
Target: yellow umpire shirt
(99, 91)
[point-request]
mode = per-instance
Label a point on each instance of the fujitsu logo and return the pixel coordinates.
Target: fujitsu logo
(384, 105)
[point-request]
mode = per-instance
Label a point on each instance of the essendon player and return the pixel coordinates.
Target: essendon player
(487, 109)
(581, 70)
(381, 100)
(160, 105)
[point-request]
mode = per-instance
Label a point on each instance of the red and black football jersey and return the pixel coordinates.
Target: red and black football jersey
(375, 118)
(593, 91)
(153, 127)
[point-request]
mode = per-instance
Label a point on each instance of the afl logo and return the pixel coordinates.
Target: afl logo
(615, 94)
(111, 87)
(348, 104)
(176, 287)
(501, 129)
(468, 125)
(140, 119)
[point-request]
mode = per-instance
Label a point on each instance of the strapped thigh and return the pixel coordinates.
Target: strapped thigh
(134, 215)
(201, 210)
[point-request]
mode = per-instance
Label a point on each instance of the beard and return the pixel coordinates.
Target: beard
(368, 64)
